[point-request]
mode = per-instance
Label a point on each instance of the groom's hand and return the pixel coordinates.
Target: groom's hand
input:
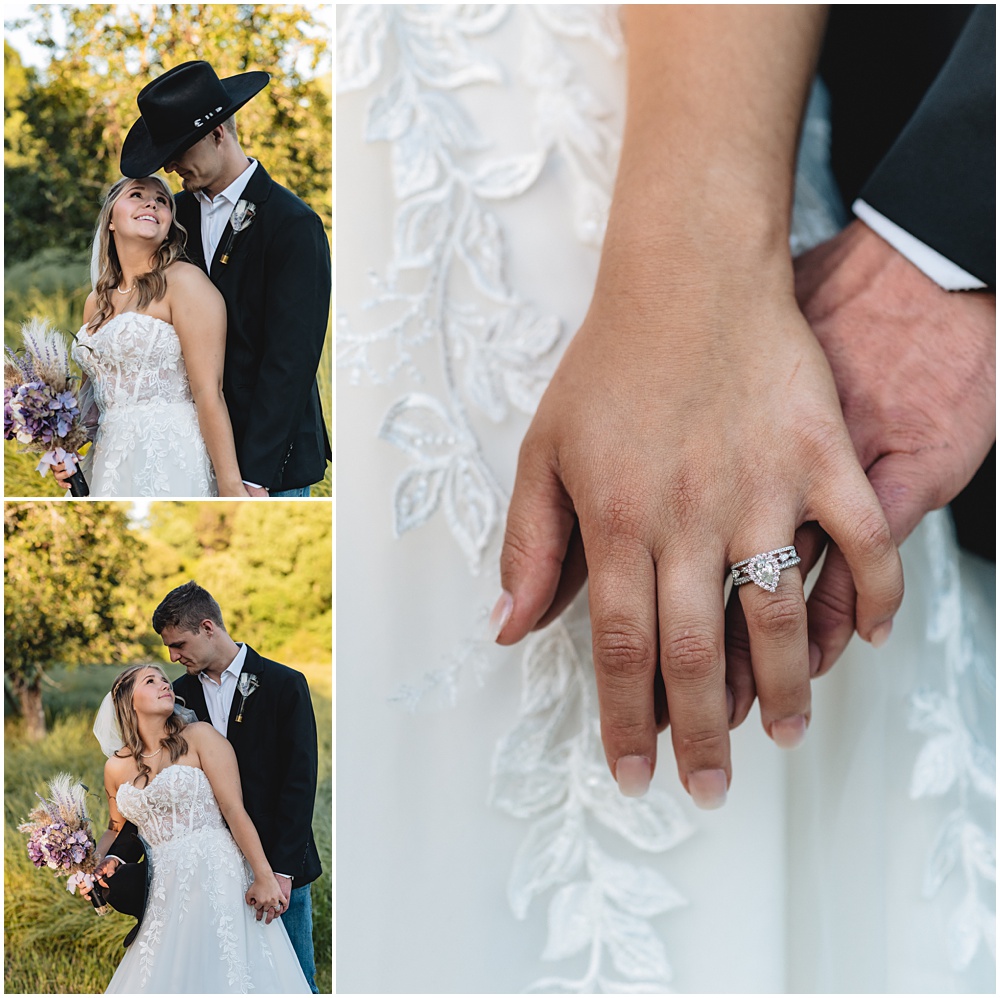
(915, 368)
(104, 870)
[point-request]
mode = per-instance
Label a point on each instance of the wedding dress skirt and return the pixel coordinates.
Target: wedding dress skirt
(198, 934)
(482, 843)
(148, 439)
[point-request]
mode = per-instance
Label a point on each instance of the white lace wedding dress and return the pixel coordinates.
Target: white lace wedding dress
(482, 845)
(148, 439)
(198, 934)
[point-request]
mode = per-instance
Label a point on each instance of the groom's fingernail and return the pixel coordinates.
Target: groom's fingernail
(633, 773)
(881, 634)
(500, 614)
(708, 788)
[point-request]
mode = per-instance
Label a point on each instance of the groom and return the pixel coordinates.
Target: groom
(265, 711)
(265, 250)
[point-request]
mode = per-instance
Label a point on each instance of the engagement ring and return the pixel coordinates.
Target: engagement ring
(765, 569)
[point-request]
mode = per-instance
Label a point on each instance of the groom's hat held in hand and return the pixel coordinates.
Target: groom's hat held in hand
(179, 108)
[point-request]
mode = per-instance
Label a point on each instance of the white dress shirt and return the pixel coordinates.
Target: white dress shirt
(928, 261)
(219, 695)
(215, 212)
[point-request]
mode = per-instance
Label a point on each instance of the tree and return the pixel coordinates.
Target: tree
(69, 121)
(73, 574)
(267, 564)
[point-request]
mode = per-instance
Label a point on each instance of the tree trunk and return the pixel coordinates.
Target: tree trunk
(29, 696)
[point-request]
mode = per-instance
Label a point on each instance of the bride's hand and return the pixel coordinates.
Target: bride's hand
(692, 423)
(266, 896)
(61, 474)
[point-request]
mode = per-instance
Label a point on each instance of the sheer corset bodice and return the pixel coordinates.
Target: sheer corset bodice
(177, 802)
(133, 359)
(148, 440)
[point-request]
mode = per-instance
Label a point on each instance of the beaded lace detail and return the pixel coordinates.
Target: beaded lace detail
(192, 853)
(148, 439)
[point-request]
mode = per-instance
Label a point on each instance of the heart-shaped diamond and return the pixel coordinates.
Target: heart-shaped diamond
(763, 569)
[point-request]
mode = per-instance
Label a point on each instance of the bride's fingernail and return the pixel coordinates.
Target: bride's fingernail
(881, 634)
(707, 788)
(500, 614)
(730, 703)
(815, 658)
(633, 773)
(789, 732)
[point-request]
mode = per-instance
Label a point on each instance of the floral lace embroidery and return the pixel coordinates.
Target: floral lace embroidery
(447, 292)
(954, 759)
(188, 842)
(148, 439)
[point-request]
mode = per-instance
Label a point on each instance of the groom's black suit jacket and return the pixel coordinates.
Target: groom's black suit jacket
(275, 747)
(277, 291)
(913, 105)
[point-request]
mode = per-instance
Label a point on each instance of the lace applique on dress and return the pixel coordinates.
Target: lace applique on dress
(955, 760)
(148, 441)
(450, 301)
(190, 848)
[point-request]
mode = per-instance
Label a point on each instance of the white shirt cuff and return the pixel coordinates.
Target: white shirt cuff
(928, 261)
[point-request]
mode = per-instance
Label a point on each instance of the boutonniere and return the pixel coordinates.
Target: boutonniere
(240, 219)
(247, 684)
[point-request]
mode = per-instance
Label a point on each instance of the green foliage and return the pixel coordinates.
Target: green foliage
(72, 574)
(65, 127)
(268, 564)
(54, 944)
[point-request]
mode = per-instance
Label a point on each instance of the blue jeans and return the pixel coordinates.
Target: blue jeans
(292, 494)
(298, 923)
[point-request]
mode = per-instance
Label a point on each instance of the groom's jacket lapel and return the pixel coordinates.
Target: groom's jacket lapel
(256, 192)
(254, 665)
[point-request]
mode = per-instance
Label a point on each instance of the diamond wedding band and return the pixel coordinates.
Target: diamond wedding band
(764, 569)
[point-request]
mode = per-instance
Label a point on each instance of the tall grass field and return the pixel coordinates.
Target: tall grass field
(54, 943)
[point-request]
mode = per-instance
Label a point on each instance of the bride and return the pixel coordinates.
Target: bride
(199, 933)
(487, 847)
(152, 348)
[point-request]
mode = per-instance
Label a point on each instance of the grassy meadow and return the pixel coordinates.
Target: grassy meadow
(54, 285)
(53, 941)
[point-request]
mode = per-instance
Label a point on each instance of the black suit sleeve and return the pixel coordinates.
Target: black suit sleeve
(297, 309)
(298, 785)
(938, 181)
(126, 845)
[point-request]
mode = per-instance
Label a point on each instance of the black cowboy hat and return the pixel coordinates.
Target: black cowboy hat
(179, 108)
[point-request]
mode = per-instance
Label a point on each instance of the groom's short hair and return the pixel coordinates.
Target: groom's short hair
(186, 607)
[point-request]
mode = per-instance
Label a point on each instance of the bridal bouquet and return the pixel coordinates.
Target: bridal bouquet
(60, 838)
(40, 407)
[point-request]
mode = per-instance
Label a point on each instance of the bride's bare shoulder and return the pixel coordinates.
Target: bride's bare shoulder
(118, 769)
(190, 292)
(185, 276)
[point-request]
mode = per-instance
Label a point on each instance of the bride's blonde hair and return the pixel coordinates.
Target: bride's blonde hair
(128, 722)
(151, 286)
